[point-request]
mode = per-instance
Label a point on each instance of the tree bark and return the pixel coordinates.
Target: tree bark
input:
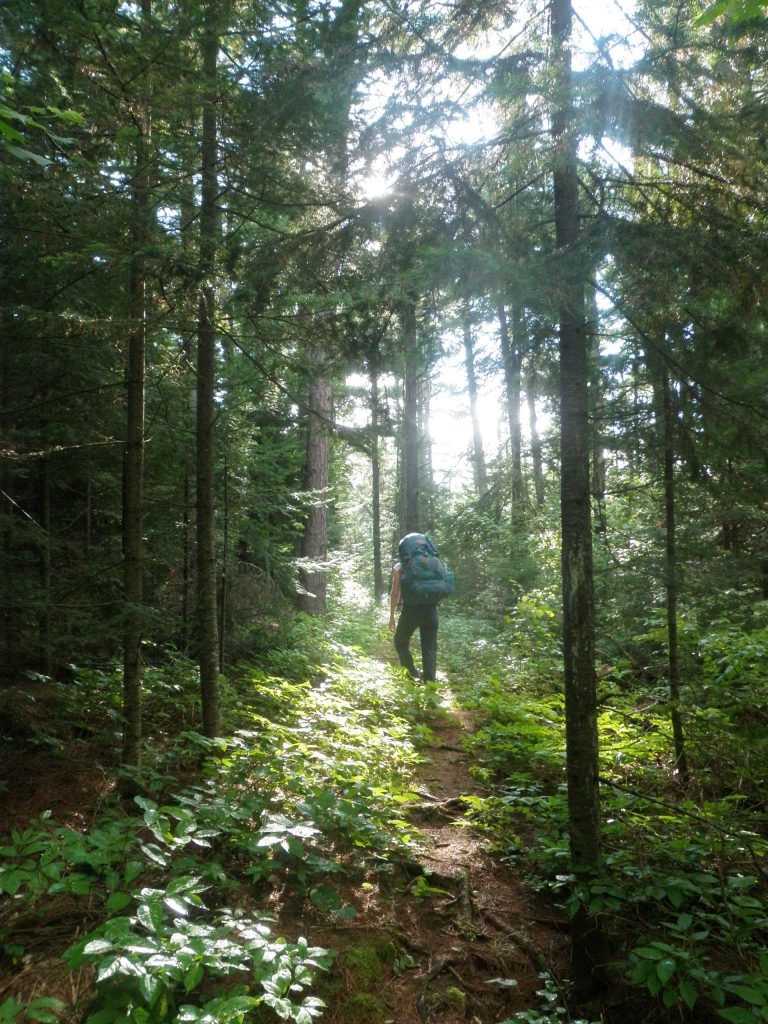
(598, 448)
(379, 587)
(671, 578)
(410, 437)
(578, 597)
(478, 451)
(426, 476)
(312, 598)
(224, 585)
(133, 476)
(536, 453)
(511, 357)
(46, 562)
(206, 389)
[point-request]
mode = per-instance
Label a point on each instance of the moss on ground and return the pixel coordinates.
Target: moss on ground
(360, 969)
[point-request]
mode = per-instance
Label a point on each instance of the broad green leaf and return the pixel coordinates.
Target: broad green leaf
(45, 1009)
(97, 947)
(649, 953)
(9, 131)
(26, 154)
(11, 881)
(193, 976)
(177, 907)
(688, 993)
(270, 840)
(150, 987)
(666, 969)
(118, 901)
(738, 1015)
(750, 995)
(9, 1009)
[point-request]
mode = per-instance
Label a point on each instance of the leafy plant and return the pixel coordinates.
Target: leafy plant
(149, 963)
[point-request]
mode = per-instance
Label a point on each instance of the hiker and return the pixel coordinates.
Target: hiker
(421, 579)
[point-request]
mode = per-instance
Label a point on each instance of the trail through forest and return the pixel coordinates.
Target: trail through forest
(442, 933)
(481, 938)
(470, 941)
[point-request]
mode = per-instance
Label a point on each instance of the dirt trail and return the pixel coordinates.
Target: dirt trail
(478, 942)
(490, 928)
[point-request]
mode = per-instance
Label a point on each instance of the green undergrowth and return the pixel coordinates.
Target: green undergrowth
(684, 891)
(304, 797)
(169, 895)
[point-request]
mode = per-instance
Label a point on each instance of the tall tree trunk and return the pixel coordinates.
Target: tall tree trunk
(598, 448)
(379, 586)
(186, 563)
(224, 599)
(133, 476)
(410, 436)
(312, 599)
(536, 453)
(578, 595)
(6, 501)
(206, 388)
(341, 39)
(511, 357)
(46, 561)
(426, 475)
(671, 577)
(478, 451)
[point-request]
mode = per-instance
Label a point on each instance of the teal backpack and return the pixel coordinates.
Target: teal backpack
(424, 578)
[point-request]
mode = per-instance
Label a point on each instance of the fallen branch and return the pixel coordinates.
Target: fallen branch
(533, 953)
(443, 808)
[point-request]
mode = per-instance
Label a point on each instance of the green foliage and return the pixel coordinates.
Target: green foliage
(149, 963)
(44, 1009)
(11, 120)
(732, 10)
(551, 1009)
(47, 859)
(682, 871)
(312, 783)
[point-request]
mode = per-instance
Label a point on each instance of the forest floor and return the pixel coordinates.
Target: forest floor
(477, 940)
(445, 935)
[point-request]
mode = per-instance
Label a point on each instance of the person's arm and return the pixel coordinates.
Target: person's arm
(394, 595)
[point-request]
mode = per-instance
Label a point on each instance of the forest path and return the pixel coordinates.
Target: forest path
(476, 939)
(443, 934)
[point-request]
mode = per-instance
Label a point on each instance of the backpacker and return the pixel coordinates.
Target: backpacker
(424, 578)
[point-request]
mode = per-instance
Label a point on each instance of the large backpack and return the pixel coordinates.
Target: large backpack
(424, 578)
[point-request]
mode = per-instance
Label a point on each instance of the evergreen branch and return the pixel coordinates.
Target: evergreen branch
(675, 364)
(715, 826)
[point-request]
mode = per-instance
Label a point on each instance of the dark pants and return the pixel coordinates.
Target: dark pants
(424, 618)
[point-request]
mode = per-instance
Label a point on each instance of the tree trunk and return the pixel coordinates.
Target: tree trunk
(511, 356)
(7, 614)
(224, 598)
(133, 476)
(478, 452)
(578, 597)
(312, 599)
(379, 587)
(410, 436)
(46, 561)
(186, 564)
(206, 388)
(671, 578)
(598, 448)
(426, 476)
(536, 454)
